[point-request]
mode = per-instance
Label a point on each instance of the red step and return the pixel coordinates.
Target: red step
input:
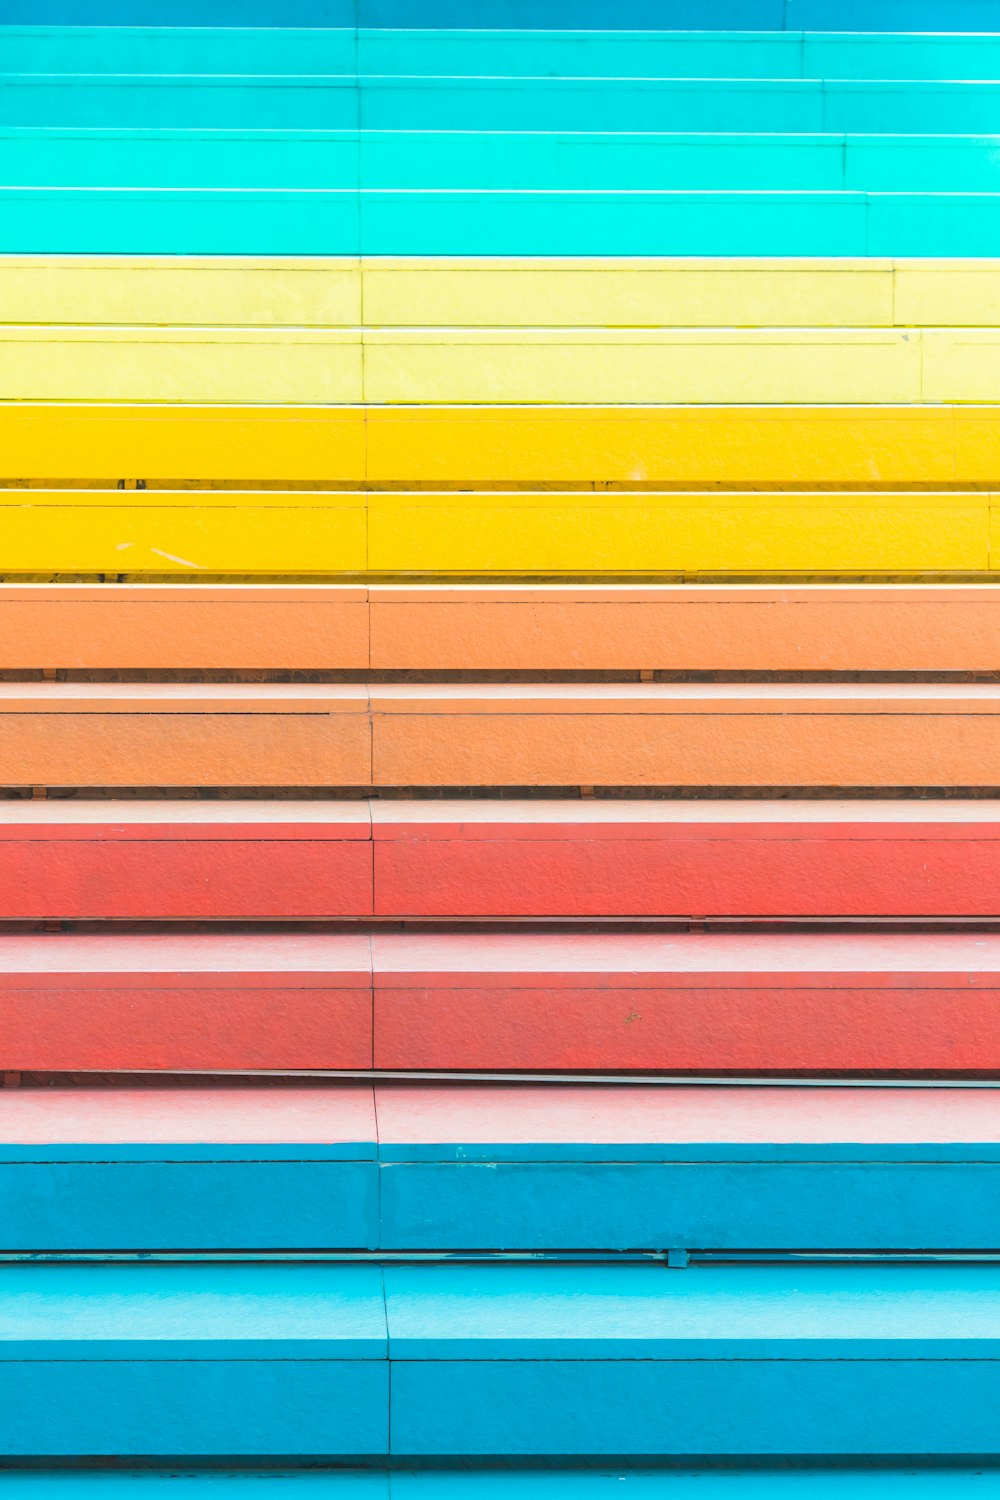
(505, 1002)
(602, 858)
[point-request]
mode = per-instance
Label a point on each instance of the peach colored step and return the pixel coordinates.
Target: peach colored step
(847, 628)
(514, 735)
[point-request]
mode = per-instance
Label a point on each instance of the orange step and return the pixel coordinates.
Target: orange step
(515, 735)
(931, 628)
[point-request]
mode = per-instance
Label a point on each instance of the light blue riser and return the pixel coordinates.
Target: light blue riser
(49, 222)
(375, 103)
(509, 1361)
(418, 160)
(498, 1204)
(643, 54)
(685, 15)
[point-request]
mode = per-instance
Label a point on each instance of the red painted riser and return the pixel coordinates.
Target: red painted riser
(499, 860)
(165, 1029)
(132, 879)
(673, 1030)
(774, 1003)
(693, 873)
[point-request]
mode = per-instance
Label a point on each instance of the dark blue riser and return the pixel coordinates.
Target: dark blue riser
(685, 15)
(558, 54)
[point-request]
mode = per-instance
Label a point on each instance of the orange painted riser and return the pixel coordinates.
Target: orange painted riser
(122, 627)
(648, 735)
(716, 735)
(822, 628)
(158, 735)
(278, 628)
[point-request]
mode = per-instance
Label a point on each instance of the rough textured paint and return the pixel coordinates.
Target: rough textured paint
(511, 1002)
(648, 734)
(651, 858)
(578, 627)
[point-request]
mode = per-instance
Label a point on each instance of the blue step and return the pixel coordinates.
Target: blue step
(524, 1360)
(500, 1168)
(669, 15)
(621, 54)
(193, 1361)
(498, 1361)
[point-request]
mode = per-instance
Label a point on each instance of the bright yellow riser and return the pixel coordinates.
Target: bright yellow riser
(274, 534)
(344, 292)
(136, 532)
(679, 533)
(503, 446)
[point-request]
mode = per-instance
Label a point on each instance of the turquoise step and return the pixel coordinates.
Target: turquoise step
(184, 222)
(418, 160)
(621, 54)
(221, 159)
(497, 1361)
(337, 102)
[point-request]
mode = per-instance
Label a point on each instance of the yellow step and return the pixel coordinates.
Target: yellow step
(344, 292)
(153, 532)
(678, 447)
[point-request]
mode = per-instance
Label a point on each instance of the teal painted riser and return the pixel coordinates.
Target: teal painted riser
(346, 223)
(375, 103)
(683, 15)
(470, 1483)
(625, 54)
(258, 159)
